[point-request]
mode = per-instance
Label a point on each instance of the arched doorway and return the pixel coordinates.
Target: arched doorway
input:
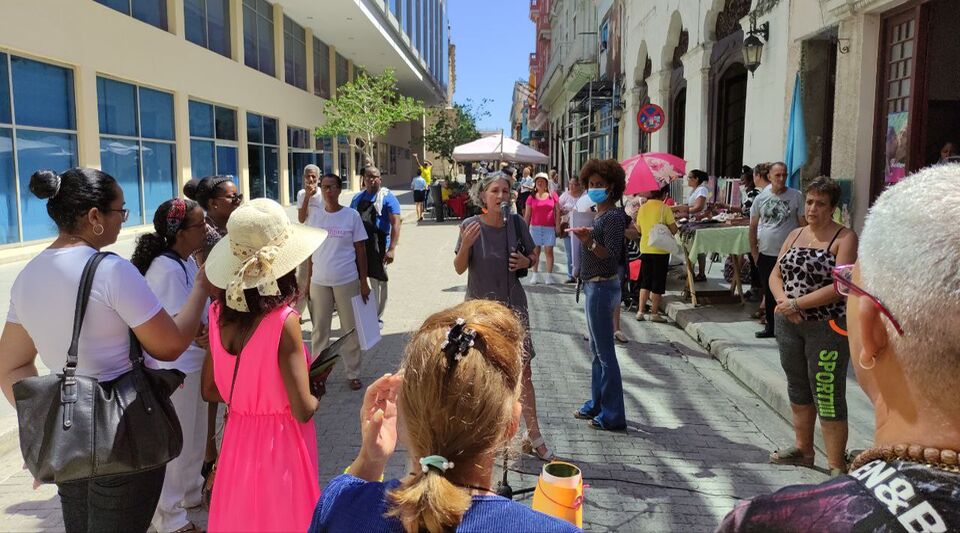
(677, 113)
(728, 91)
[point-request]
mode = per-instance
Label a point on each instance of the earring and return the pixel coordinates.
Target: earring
(865, 367)
(98, 233)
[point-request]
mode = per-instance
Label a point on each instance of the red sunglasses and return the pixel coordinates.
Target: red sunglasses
(844, 285)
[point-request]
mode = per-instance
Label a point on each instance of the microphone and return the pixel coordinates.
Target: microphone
(504, 211)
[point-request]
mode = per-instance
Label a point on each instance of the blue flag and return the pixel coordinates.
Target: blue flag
(796, 155)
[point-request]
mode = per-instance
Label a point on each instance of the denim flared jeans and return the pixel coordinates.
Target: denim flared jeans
(606, 390)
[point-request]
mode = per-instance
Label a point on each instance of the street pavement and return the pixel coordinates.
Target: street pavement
(697, 440)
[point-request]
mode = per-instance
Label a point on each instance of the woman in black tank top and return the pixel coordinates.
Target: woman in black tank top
(810, 327)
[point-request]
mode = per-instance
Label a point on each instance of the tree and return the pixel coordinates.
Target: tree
(368, 107)
(453, 127)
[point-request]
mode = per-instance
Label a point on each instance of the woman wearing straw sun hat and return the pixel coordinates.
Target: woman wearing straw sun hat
(258, 366)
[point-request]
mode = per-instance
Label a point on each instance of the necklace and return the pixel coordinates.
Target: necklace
(944, 459)
(75, 238)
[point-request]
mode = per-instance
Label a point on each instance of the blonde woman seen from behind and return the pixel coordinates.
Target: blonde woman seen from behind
(469, 357)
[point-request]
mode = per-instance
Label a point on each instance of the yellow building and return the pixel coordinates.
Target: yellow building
(156, 92)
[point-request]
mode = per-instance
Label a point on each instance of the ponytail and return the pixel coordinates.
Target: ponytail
(149, 246)
(429, 502)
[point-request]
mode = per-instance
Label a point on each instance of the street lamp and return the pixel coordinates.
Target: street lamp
(753, 46)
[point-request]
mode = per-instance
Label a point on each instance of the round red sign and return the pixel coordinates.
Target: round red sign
(651, 118)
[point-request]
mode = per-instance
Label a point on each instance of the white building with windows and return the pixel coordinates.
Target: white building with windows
(156, 92)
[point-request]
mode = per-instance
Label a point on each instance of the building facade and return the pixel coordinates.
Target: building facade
(156, 92)
(879, 94)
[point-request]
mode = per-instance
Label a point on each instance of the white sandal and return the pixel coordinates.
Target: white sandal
(534, 445)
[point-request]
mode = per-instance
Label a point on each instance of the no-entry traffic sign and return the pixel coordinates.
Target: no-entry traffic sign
(651, 118)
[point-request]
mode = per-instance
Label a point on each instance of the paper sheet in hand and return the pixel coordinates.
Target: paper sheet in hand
(367, 321)
(328, 357)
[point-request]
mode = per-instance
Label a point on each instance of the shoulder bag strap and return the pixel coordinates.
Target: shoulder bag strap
(516, 230)
(83, 296)
(170, 254)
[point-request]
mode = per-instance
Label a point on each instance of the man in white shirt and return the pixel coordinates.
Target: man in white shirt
(309, 204)
(419, 188)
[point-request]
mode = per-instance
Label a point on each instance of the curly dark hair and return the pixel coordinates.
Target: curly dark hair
(259, 305)
(826, 186)
(610, 171)
(73, 193)
(151, 245)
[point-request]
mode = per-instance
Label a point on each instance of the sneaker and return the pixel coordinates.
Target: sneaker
(620, 337)
(534, 278)
(640, 317)
(658, 318)
(547, 278)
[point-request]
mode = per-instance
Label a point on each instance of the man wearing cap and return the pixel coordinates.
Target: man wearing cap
(380, 211)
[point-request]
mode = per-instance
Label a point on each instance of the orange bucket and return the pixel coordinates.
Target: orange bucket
(559, 492)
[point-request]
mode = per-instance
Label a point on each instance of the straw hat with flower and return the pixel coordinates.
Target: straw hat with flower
(261, 246)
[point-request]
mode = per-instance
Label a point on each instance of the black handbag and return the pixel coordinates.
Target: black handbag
(521, 248)
(76, 427)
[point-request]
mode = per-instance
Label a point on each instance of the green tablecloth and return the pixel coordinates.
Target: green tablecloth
(724, 240)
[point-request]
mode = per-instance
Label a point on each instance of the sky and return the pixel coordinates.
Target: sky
(494, 40)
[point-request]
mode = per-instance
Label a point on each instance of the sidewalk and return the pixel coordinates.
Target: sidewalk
(727, 333)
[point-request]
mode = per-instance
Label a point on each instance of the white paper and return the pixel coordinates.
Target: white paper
(368, 323)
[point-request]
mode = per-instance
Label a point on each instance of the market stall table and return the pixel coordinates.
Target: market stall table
(729, 238)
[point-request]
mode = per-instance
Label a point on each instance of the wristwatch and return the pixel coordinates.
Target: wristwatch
(593, 246)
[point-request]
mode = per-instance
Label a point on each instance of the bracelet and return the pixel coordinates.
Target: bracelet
(794, 305)
(347, 471)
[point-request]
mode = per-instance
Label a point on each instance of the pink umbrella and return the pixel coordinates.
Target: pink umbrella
(652, 171)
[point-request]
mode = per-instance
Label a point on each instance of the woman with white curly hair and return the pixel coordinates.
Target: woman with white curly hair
(903, 317)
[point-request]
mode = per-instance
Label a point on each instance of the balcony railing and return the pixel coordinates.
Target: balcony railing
(535, 9)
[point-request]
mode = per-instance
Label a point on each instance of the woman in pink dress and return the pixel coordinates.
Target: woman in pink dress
(266, 475)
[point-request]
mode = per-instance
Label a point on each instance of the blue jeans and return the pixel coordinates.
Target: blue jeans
(606, 402)
(569, 252)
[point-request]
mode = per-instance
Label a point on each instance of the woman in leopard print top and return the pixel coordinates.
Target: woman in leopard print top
(809, 326)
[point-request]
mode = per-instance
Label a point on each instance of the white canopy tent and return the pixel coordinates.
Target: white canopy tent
(498, 148)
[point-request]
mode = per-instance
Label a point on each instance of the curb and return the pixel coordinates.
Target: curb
(755, 370)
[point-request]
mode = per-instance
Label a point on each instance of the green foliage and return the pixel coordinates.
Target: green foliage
(453, 127)
(367, 108)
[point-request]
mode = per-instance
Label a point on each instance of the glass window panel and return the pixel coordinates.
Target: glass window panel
(5, 117)
(343, 70)
(270, 131)
(897, 51)
(122, 6)
(8, 189)
(159, 174)
(41, 150)
(298, 161)
(202, 159)
(265, 9)
(905, 87)
(894, 89)
(201, 119)
(226, 123)
(265, 47)
(218, 26)
(42, 94)
(121, 159)
(249, 37)
(255, 167)
(156, 114)
(117, 106)
(194, 21)
(152, 12)
(227, 162)
(908, 49)
(271, 169)
(254, 128)
(909, 32)
(321, 68)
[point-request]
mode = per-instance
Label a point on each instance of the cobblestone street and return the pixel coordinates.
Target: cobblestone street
(697, 440)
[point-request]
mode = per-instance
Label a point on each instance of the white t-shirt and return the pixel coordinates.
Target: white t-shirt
(167, 280)
(44, 296)
(335, 262)
(699, 192)
(316, 206)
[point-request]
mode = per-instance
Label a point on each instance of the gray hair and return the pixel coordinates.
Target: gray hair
(314, 168)
(482, 184)
(909, 254)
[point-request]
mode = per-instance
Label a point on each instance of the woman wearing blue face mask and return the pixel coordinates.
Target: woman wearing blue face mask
(602, 254)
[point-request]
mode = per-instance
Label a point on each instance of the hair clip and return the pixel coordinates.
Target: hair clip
(459, 340)
(436, 461)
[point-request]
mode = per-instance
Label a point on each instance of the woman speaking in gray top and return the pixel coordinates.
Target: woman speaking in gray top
(482, 252)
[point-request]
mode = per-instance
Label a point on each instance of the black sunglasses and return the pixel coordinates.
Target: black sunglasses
(234, 198)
